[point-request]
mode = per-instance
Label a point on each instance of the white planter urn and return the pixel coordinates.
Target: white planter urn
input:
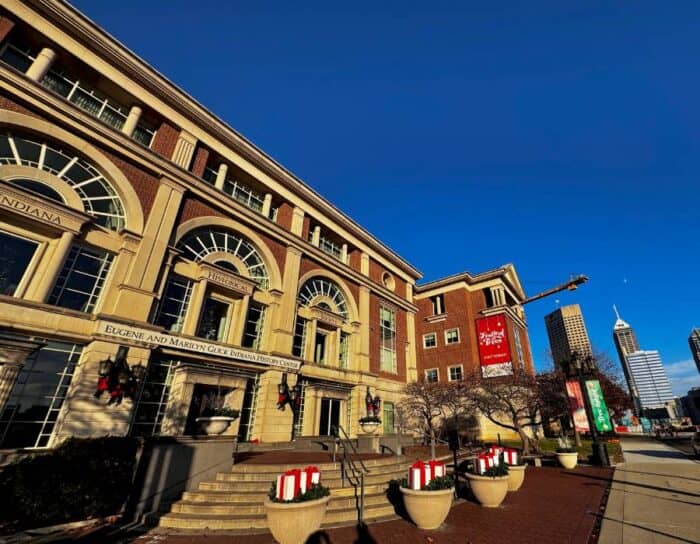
(568, 460)
(369, 427)
(214, 425)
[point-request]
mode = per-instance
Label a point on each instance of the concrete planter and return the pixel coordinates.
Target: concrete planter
(295, 522)
(489, 491)
(428, 509)
(568, 460)
(369, 427)
(214, 425)
(516, 476)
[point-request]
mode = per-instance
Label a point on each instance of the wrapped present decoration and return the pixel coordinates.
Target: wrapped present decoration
(484, 462)
(418, 475)
(296, 482)
(510, 456)
(437, 469)
(313, 476)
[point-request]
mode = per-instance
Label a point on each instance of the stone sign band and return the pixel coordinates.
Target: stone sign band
(125, 332)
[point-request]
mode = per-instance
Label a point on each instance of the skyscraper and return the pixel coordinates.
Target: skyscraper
(626, 343)
(694, 342)
(650, 379)
(567, 333)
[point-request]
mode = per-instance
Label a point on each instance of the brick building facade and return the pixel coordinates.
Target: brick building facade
(136, 228)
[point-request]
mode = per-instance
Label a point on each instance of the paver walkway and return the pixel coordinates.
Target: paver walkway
(655, 496)
(553, 506)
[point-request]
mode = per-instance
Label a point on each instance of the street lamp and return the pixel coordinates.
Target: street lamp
(582, 368)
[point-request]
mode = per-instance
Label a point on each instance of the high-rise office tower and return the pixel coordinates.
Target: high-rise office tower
(694, 342)
(626, 343)
(650, 379)
(567, 333)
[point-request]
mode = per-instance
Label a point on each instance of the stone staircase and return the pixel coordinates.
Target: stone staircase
(234, 501)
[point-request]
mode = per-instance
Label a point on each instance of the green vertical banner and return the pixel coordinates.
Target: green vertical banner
(598, 406)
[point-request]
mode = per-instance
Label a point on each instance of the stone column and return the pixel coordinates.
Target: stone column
(14, 350)
(132, 120)
(283, 322)
(184, 149)
(411, 366)
(316, 237)
(199, 292)
(364, 264)
(267, 205)
(221, 176)
(310, 352)
(297, 221)
(344, 253)
(42, 64)
(53, 267)
(239, 312)
(363, 354)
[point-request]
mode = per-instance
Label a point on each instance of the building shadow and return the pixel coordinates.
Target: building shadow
(645, 486)
(659, 454)
(364, 536)
(395, 497)
(625, 470)
(675, 538)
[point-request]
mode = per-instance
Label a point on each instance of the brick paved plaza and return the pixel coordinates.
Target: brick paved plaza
(553, 506)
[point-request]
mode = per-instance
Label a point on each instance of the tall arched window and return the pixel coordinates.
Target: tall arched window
(324, 293)
(99, 198)
(200, 243)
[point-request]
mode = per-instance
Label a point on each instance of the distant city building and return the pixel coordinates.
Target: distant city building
(694, 342)
(567, 333)
(626, 342)
(650, 380)
(691, 405)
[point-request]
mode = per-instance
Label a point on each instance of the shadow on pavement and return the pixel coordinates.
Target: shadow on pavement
(646, 486)
(657, 453)
(675, 538)
(363, 536)
(625, 470)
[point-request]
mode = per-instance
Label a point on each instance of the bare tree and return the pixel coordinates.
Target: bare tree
(429, 404)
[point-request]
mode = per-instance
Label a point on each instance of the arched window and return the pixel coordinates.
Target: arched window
(320, 291)
(96, 193)
(199, 243)
(39, 188)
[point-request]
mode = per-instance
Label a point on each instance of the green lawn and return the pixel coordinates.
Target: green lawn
(551, 445)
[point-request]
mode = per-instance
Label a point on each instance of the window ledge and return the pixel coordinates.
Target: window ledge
(435, 318)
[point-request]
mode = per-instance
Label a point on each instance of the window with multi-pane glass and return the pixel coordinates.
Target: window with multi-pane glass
(30, 413)
(388, 417)
(252, 332)
(81, 279)
(456, 373)
(431, 375)
(387, 332)
(299, 342)
(344, 350)
(174, 303)
(15, 255)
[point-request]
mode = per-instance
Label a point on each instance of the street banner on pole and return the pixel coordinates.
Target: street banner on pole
(494, 350)
(578, 409)
(598, 406)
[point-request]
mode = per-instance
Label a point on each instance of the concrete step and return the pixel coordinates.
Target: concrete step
(257, 507)
(331, 480)
(277, 468)
(215, 522)
(238, 496)
(269, 473)
(333, 483)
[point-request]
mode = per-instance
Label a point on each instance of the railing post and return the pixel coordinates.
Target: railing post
(362, 499)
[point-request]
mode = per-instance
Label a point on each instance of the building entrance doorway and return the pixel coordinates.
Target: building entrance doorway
(330, 416)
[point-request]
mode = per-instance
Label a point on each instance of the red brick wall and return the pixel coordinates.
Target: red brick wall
(376, 271)
(375, 341)
(284, 215)
(8, 104)
(6, 25)
(306, 227)
(165, 139)
(355, 259)
(460, 314)
(201, 157)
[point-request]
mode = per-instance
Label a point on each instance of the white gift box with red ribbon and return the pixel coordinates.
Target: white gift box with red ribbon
(421, 474)
(510, 456)
(484, 462)
(296, 482)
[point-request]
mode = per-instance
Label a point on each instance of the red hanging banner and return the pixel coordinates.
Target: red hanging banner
(578, 409)
(494, 350)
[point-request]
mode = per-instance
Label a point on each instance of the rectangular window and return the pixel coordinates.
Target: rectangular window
(153, 399)
(31, 411)
(438, 303)
(243, 194)
(15, 255)
(387, 331)
(252, 334)
(174, 303)
(320, 348)
(388, 417)
(456, 374)
(429, 340)
(82, 278)
(299, 343)
(214, 320)
(452, 336)
(18, 56)
(431, 375)
(344, 350)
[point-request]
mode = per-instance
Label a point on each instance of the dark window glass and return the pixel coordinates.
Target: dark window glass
(81, 280)
(15, 256)
(252, 334)
(212, 324)
(39, 188)
(174, 304)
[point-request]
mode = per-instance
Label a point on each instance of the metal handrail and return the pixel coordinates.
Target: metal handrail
(356, 477)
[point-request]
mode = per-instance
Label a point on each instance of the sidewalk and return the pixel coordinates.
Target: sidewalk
(655, 496)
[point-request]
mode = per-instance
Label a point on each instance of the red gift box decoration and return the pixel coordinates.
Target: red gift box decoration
(296, 482)
(437, 469)
(484, 462)
(510, 456)
(418, 475)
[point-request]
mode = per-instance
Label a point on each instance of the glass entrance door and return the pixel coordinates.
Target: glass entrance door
(330, 416)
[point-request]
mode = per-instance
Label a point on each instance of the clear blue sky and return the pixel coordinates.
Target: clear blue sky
(561, 136)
